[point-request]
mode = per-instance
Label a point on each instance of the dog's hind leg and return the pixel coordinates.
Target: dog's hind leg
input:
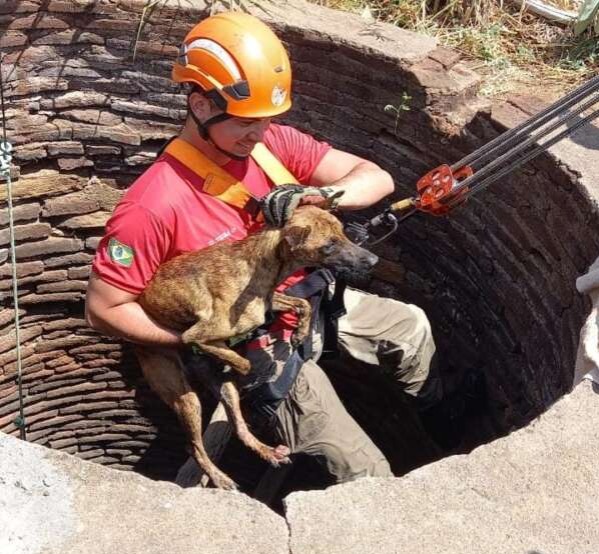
(230, 397)
(163, 370)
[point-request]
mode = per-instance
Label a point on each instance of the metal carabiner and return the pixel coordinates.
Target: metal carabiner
(359, 233)
(5, 157)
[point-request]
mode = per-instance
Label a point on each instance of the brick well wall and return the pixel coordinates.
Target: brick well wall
(84, 119)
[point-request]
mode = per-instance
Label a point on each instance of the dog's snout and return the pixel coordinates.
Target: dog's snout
(351, 259)
(364, 259)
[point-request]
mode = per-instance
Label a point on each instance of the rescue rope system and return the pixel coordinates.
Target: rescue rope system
(445, 187)
(5, 163)
(439, 191)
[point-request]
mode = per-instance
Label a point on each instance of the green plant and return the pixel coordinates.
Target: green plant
(402, 106)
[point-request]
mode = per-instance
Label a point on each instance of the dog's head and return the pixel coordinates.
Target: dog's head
(314, 237)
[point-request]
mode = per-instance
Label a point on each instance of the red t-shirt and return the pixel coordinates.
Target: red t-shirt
(165, 213)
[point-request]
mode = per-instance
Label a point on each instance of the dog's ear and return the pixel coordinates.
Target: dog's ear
(295, 236)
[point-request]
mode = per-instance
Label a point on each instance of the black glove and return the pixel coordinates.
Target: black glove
(278, 205)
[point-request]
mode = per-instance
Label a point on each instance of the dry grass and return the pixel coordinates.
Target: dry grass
(510, 48)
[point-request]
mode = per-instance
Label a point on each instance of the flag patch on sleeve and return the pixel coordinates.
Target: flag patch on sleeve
(120, 253)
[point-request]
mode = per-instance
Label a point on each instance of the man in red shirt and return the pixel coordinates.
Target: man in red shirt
(238, 78)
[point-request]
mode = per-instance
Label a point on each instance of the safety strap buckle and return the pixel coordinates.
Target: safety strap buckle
(252, 207)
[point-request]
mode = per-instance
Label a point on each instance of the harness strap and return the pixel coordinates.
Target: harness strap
(314, 283)
(220, 184)
(217, 182)
(333, 308)
(271, 165)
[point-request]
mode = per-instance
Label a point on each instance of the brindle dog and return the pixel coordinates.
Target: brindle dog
(224, 291)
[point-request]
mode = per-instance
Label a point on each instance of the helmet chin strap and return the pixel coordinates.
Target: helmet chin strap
(222, 150)
(204, 132)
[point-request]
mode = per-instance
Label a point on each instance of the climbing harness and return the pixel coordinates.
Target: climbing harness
(5, 163)
(444, 188)
(266, 397)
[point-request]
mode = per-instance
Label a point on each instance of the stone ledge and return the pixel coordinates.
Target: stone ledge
(533, 491)
(577, 153)
(351, 29)
(55, 503)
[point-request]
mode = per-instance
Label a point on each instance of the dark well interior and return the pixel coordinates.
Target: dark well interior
(496, 278)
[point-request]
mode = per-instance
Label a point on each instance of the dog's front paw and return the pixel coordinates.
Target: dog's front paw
(304, 313)
(242, 366)
(298, 337)
(278, 455)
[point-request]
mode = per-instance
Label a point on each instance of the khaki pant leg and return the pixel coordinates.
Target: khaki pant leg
(312, 420)
(393, 335)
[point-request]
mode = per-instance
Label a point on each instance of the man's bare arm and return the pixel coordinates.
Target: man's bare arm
(364, 183)
(115, 312)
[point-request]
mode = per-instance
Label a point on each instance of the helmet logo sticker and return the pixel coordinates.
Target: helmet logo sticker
(278, 96)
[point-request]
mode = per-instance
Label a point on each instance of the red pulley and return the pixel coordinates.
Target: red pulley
(438, 190)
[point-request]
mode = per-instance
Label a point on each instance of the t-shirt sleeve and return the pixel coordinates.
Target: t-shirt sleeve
(134, 245)
(299, 152)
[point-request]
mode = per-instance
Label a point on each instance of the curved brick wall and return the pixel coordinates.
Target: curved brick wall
(496, 279)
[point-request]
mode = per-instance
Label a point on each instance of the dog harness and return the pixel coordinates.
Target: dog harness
(266, 397)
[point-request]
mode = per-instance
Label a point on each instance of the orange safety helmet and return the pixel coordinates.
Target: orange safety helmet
(240, 64)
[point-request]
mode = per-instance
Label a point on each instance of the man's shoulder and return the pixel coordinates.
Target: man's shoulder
(279, 136)
(299, 152)
(287, 142)
(158, 188)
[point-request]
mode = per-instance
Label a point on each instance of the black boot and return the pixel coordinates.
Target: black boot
(445, 421)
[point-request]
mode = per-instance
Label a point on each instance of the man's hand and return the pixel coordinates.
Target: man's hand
(278, 205)
(115, 312)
